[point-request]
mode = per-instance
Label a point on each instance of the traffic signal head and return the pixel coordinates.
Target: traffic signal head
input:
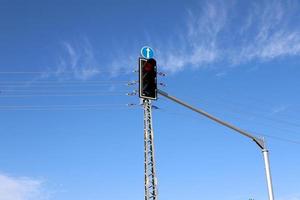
(147, 78)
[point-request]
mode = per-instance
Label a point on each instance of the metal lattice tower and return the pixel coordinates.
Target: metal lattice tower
(150, 173)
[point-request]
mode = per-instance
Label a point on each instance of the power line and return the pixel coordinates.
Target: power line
(61, 85)
(279, 138)
(63, 81)
(48, 91)
(60, 105)
(283, 139)
(61, 72)
(258, 106)
(241, 110)
(256, 103)
(67, 109)
(63, 95)
(37, 72)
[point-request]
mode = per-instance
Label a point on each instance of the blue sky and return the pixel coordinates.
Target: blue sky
(67, 132)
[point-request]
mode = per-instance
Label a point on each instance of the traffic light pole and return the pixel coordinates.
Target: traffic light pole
(149, 159)
(260, 142)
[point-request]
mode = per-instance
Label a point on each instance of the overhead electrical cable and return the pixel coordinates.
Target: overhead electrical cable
(233, 108)
(63, 72)
(66, 109)
(60, 105)
(59, 82)
(60, 85)
(61, 95)
(284, 139)
(279, 138)
(51, 91)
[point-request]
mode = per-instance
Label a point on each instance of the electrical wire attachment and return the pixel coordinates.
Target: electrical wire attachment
(132, 83)
(155, 107)
(131, 93)
(161, 74)
(131, 104)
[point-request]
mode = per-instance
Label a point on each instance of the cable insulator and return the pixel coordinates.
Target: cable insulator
(155, 107)
(161, 74)
(131, 104)
(131, 94)
(132, 83)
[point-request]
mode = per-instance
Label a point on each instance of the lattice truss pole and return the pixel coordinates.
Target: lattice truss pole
(150, 173)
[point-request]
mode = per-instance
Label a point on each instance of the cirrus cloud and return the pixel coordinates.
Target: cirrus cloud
(20, 188)
(234, 33)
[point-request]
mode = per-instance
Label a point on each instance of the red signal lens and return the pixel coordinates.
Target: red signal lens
(148, 67)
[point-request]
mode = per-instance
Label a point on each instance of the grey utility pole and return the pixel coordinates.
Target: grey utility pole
(149, 162)
(260, 142)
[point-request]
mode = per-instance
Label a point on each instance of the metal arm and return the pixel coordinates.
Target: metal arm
(260, 142)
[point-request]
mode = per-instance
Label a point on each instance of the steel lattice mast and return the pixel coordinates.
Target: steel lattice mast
(150, 172)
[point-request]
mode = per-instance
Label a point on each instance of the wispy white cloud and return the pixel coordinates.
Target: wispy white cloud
(122, 65)
(232, 33)
(221, 74)
(279, 109)
(197, 45)
(78, 61)
(216, 31)
(20, 188)
(273, 35)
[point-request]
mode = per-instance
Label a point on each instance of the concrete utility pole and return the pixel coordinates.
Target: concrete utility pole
(260, 142)
(150, 172)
